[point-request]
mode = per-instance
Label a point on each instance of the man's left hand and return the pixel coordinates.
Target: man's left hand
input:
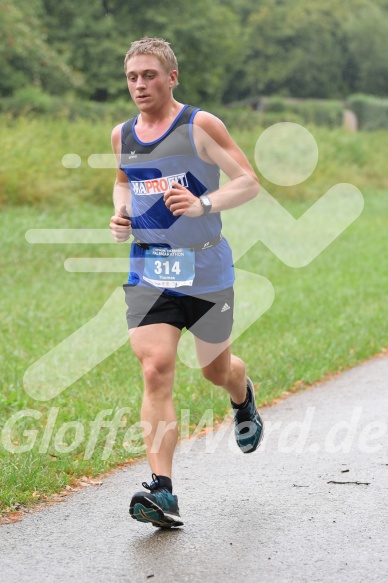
(180, 201)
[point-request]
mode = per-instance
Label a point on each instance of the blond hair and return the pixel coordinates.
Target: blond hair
(157, 47)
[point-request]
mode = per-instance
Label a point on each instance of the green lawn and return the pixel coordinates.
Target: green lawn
(39, 144)
(325, 317)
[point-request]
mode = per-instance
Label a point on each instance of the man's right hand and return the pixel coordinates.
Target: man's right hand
(120, 225)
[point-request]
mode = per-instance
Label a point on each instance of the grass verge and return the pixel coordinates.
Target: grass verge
(326, 317)
(31, 169)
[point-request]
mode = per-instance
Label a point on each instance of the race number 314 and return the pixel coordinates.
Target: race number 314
(165, 267)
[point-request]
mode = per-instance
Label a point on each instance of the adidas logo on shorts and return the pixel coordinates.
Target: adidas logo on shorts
(225, 307)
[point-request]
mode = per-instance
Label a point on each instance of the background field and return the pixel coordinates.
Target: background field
(325, 317)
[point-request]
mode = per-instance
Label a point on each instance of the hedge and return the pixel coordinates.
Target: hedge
(371, 112)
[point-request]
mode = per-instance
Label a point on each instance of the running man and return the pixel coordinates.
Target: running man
(167, 194)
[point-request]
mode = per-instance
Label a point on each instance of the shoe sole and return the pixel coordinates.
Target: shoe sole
(146, 510)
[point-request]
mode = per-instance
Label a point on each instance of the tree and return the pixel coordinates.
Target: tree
(311, 48)
(298, 49)
(26, 57)
(204, 36)
(227, 50)
(86, 37)
(367, 31)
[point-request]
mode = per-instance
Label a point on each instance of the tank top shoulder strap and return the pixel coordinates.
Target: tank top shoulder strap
(126, 132)
(186, 116)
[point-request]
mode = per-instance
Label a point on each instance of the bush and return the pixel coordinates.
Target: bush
(247, 118)
(39, 144)
(272, 117)
(275, 104)
(371, 112)
(34, 102)
(28, 100)
(321, 113)
(243, 118)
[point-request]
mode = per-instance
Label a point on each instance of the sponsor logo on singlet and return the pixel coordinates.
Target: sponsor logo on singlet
(157, 185)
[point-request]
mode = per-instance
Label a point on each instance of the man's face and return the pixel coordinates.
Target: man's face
(148, 82)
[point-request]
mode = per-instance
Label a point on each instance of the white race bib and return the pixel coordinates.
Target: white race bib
(166, 267)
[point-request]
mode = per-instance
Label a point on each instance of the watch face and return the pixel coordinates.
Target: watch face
(206, 204)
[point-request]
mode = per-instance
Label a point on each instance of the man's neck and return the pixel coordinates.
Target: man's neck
(151, 125)
(167, 112)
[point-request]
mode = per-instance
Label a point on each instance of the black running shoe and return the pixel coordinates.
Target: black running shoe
(157, 506)
(249, 427)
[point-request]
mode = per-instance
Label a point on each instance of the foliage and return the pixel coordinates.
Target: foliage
(26, 56)
(98, 36)
(32, 102)
(227, 50)
(317, 112)
(371, 112)
(367, 33)
(312, 49)
(244, 119)
(361, 156)
(88, 40)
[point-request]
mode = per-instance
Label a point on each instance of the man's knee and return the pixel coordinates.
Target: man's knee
(156, 372)
(217, 376)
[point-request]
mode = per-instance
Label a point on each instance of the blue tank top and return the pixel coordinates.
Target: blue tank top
(151, 167)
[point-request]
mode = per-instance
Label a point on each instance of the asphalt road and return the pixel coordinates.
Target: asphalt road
(273, 516)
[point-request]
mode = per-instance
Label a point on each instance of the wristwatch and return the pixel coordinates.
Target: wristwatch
(206, 204)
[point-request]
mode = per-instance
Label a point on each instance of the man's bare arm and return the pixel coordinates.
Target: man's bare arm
(120, 224)
(215, 146)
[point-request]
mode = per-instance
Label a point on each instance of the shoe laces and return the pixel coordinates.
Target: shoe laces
(163, 495)
(154, 485)
(244, 422)
(246, 413)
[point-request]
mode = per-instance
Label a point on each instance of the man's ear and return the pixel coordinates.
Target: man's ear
(173, 78)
